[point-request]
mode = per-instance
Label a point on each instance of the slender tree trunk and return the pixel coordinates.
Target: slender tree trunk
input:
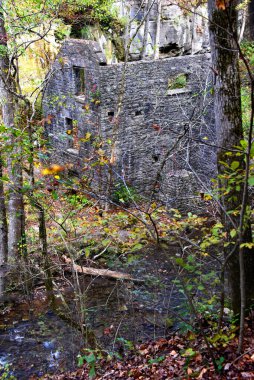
(251, 19)
(7, 87)
(44, 251)
(146, 30)
(223, 37)
(242, 26)
(158, 31)
(3, 237)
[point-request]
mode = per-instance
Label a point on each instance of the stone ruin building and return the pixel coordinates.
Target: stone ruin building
(154, 118)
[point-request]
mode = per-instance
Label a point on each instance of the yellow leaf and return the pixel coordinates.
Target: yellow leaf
(53, 169)
(46, 171)
(100, 152)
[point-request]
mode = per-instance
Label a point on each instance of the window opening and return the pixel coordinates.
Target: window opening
(177, 82)
(111, 115)
(72, 132)
(79, 80)
(138, 113)
(155, 157)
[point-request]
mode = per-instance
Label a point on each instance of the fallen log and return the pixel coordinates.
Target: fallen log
(99, 272)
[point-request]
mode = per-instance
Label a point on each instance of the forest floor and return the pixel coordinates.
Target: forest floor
(121, 240)
(177, 357)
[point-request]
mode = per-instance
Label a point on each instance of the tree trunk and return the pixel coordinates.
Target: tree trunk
(3, 237)
(158, 31)
(146, 29)
(7, 87)
(227, 99)
(44, 250)
(251, 19)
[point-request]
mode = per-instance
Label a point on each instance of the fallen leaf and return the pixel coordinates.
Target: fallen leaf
(227, 366)
(247, 375)
(189, 371)
(200, 376)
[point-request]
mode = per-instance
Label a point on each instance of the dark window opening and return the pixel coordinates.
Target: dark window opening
(103, 63)
(79, 80)
(138, 113)
(69, 123)
(111, 115)
(156, 157)
(172, 48)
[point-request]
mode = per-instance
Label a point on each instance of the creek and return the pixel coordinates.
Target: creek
(35, 341)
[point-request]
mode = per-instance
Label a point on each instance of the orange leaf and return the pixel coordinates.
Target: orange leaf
(189, 371)
(53, 169)
(221, 4)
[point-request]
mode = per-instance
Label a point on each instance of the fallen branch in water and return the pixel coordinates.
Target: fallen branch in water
(99, 272)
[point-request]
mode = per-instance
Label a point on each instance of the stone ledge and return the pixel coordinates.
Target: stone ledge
(177, 91)
(73, 151)
(80, 99)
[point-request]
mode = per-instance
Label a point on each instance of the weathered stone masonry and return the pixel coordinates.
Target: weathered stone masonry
(163, 128)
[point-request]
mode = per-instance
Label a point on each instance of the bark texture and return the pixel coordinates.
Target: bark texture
(158, 31)
(8, 103)
(146, 29)
(251, 19)
(223, 37)
(3, 237)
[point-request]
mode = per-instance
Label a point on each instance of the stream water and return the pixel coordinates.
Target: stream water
(135, 312)
(41, 345)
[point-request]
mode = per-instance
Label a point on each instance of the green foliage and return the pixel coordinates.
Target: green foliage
(157, 360)
(127, 344)
(248, 52)
(82, 13)
(77, 200)
(219, 363)
(3, 50)
(124, 195)
(223, 338)
(179, 81)
(5, 373)
(90, 357)
(61, 32)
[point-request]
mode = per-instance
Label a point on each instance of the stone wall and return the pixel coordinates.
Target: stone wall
(61, 103)
(162, 134)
